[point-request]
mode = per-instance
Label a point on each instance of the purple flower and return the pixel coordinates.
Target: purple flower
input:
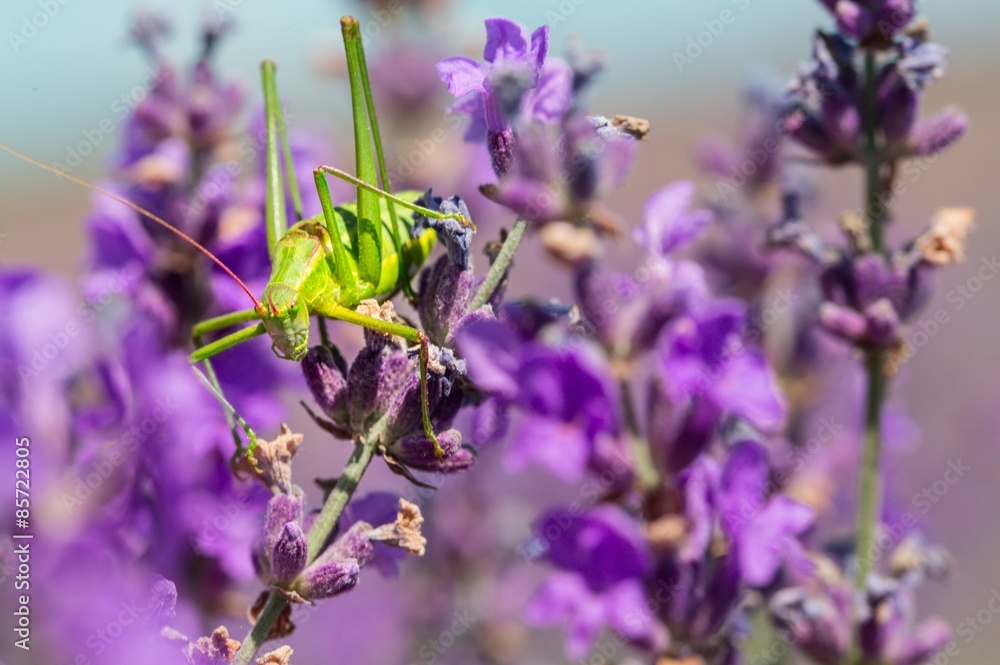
(756, 160)
(826, 100)
(669, 223)
(570, 420)
(383, 381)
(764, 530)
(703, 357)
(821, 617)
(563, 177)
(604, 559)
(515, 83)
(628, 312)
(872, 20)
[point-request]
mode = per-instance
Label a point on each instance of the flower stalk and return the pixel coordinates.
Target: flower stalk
(499, 268)
(341, 494)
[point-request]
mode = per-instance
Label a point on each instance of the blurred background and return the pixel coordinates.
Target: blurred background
(65, 84)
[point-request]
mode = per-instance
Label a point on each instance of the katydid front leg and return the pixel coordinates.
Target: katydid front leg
(202, 354)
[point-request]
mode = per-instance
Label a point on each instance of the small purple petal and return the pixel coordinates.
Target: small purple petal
(669, 223)
(938, 132)
(462, 75)
(493, 355)
(562, 448)
(504, 40)
(551, 98)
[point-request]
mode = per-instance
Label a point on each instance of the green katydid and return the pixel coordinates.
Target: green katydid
(326, 265)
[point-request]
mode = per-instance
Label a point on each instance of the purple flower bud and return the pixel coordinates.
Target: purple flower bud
(938, 132)
(871, 20)
(882, 323)
(843, 322)
(328, 579)
(898, 104)
(281, 509)
(290, 552)
(819, 624)
(500, 145)
(446, 292)
(352, 544)
(417, 452)
(374, 379)
(326, 380)
(405, 412)
(457, 237)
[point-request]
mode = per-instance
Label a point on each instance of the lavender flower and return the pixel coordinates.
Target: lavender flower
(871, 20)
(604, 560)
(515, 81)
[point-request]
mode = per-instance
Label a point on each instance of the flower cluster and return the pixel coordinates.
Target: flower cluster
(118, 412)
(553, 162)
(707, 523)
(846, 110)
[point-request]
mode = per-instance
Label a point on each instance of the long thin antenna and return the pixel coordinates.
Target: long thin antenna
(142, 211)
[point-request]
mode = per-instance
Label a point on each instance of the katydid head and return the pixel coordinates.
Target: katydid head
(286, 318)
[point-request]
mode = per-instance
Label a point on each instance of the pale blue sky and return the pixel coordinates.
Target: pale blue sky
(65, 79)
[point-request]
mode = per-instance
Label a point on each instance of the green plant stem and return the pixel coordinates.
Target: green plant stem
(869, 485)
(875, 208)
(499, 267)
(869, 499)
(645, 468)
(318, 534)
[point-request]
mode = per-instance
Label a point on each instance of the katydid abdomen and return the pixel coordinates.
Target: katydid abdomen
(306, 279)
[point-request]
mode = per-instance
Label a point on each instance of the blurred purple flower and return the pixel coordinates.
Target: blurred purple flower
(570, 419)
(514, 83)
(703, 357)
(872, 20)
(563, 177)
(669, 222)
(604, 560)
(764, 530)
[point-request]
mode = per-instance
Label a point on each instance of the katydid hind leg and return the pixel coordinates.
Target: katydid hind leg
(426, 212)
(396, 231)
(277, 218)
(369, 247)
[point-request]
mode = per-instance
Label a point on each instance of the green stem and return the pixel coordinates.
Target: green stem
(645, 469)
(258, 635)
(869, 487)
(499, 267)
(869, 500)
(869, 492)
(318, 534)
(874, 207)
